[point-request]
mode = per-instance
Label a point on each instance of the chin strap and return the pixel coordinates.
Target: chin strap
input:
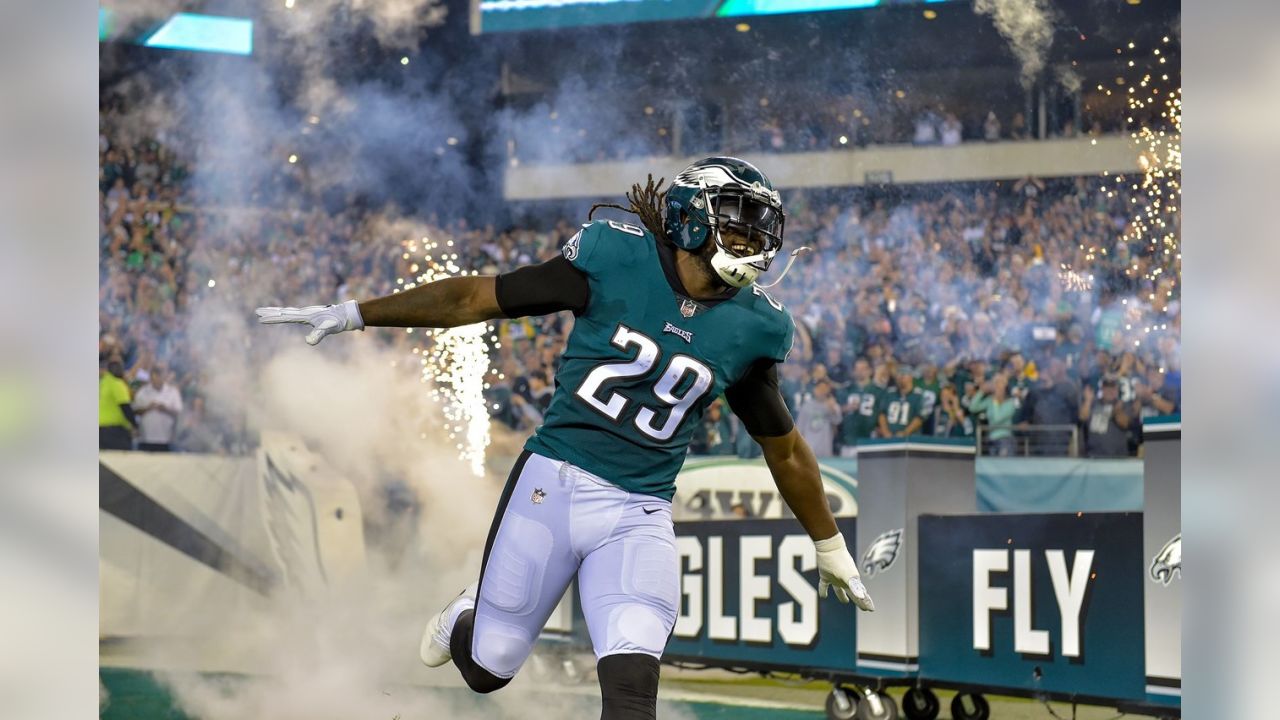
(724, 261)
(790, 261)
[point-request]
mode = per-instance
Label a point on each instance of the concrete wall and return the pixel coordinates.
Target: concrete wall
(903, 164)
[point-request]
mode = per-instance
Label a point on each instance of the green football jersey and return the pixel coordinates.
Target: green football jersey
(929, 392)
(643, 361)
(900, 409)
(862, 408)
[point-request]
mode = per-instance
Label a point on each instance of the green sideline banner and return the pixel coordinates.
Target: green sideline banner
(1034, 604)
(749, 596)
(1024, 485)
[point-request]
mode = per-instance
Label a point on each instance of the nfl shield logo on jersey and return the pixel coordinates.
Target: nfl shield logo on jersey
(537, 496)
(688, 307)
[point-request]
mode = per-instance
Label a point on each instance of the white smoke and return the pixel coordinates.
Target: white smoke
(1027, 26)
(1068, 78)
(353, 400)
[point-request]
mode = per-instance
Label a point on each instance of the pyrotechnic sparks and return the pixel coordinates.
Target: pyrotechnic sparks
(1073, 281)
(1157, 224)
(1153, 233)
(1151, 238)
(454, 361)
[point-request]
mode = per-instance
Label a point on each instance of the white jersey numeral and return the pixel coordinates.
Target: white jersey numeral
(626, 228)
(680, 367)
(899, 412)
(623, 338)
(758, 291)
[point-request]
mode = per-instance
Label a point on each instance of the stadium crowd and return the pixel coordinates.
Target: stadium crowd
(839, 125)
(934, 310)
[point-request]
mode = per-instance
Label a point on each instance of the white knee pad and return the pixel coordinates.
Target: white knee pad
(501, 649)
(649, 580)
(638, 628)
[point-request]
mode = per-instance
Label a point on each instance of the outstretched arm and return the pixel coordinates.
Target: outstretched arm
(531, 290)
(446, 303)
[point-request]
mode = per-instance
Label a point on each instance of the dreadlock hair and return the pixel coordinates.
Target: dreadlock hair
(645, 202)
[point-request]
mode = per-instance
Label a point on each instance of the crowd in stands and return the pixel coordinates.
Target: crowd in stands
(557, 129)
(928, 311)
(841, 125)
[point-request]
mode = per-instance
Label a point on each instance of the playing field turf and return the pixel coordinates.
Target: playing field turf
(138, 695)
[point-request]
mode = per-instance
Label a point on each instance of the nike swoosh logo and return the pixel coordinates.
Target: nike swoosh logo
(647, 511)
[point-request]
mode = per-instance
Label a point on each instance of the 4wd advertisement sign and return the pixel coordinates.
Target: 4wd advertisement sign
(1042, 603)
(749, 594)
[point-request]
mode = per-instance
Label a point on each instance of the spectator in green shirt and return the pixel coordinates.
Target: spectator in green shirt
(900, 415)
(861, 408)
(950, 418)
(929, 386)
(994, 402)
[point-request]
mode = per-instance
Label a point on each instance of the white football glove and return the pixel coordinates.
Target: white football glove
(836, 568)
(324, 319)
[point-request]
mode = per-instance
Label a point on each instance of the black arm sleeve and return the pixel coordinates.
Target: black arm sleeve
(757, 401)
(129, 414)
(553, 286)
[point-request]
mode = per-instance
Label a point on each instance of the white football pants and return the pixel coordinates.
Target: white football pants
(554, 520)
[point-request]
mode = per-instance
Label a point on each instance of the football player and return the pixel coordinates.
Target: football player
(667, 318)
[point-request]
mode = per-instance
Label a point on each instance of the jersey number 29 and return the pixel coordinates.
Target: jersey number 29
(613, 404)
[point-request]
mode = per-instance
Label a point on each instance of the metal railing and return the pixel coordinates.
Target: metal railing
(1030, 440)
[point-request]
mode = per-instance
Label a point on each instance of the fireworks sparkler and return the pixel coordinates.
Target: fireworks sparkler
(1155, 119)
(455, 361)
(1152, 231)
(1074, 281)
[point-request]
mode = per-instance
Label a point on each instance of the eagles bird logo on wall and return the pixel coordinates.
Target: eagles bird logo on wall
(881, 553)
(1167, 562)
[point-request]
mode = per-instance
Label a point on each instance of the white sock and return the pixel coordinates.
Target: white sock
(455, 612)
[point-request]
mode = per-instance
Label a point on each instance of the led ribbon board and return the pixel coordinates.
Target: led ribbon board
(730, 8)
(512, 15)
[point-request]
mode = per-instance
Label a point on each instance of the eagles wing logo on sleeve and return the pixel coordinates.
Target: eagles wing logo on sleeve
(1167, 562)
(882, 552)
(570, 249)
